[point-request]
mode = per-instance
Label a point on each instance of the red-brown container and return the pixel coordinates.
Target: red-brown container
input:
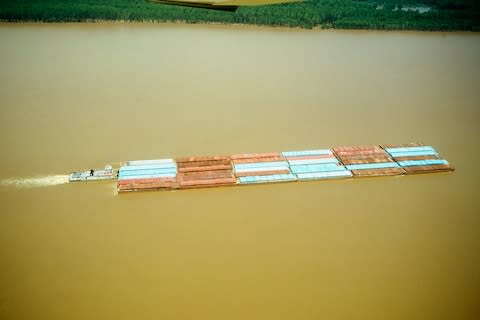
(205, 168)
(428, 169)
(367, 159)
(403, 145)
(258, 159)
(207, 183)
(378, 172)
(255, 155)
(204, 158)
(356, 148)
(205, 175)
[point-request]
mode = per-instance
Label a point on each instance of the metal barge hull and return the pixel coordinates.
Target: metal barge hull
(287, 166)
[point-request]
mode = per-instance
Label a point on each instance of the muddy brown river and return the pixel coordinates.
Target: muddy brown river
(77, 96)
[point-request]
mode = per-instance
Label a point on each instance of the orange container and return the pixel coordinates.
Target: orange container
(356, 148)
(378, 172)
(206, 183)
(199, 163)
(428, 169)
(403, 145)
(205, 175)
(146, 186)
(368, 159)
(205, 158)
(258, 159)
(255, 155)
(205, 168)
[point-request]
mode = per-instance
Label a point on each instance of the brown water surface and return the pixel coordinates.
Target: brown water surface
(82, 95)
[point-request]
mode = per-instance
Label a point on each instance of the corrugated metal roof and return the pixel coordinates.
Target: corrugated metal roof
(273, 168)
(149, 167)
(269, 178)
(147, 171)
(316, 152)
(149, 162)
(413, 153)
(143, 176)
(410, 149)
(243, 166)
(429, 162)
(324, 175)
(317, 168)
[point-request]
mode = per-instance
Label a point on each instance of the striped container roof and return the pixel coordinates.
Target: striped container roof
(324, 175)
(317, 168)
(267, 178)
(428, 162)
(149, 162)
(148, 169)
(409, 149)
(317, 152)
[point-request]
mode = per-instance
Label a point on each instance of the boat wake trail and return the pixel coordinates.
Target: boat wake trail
(34, 182)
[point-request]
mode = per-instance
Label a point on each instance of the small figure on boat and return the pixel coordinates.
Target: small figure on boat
(91, 172)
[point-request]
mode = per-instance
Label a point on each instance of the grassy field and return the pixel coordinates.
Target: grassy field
(339, 14)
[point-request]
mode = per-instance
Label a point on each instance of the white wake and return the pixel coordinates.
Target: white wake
(35, 182)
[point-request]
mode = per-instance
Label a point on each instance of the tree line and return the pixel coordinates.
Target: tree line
(339, 14)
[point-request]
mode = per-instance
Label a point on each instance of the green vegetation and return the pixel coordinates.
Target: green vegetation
(339, 14)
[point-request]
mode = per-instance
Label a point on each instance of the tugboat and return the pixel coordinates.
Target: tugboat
(90, 175)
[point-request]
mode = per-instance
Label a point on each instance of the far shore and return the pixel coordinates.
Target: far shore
(464, 15)
(220, 25)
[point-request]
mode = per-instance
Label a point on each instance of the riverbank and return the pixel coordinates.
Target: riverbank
(182, 25)
(431, 15)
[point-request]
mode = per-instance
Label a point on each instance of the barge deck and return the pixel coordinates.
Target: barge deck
(287, 166)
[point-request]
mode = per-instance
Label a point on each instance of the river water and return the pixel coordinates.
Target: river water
(76, 96)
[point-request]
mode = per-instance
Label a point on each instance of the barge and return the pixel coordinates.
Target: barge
(272, 167)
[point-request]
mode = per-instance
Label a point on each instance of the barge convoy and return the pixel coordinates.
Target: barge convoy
(287, 166)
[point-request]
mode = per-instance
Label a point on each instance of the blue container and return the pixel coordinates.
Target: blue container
(243, 166)
(413, 153)
(150, 162)
(317, 168)
(319, 152)
(410, 149)
(324, 175)
(269, 178)
(146, 171)
(429, 162)
(164, 166)
(147, 176)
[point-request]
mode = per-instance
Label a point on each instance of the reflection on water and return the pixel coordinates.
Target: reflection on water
(75, 97)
